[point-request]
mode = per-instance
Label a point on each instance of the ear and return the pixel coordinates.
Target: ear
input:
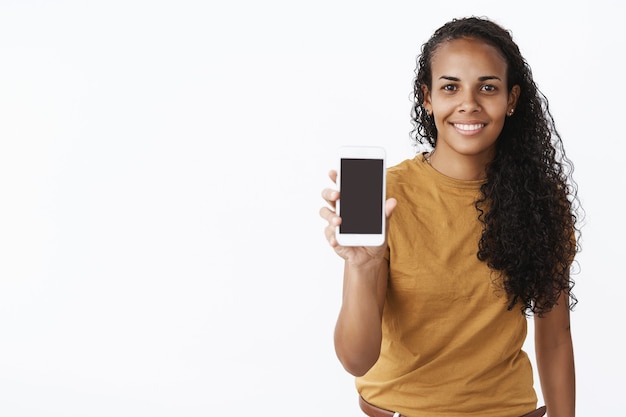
(513, 97)
(427, 104)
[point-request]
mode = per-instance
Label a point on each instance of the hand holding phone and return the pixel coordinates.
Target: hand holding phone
(361, 205)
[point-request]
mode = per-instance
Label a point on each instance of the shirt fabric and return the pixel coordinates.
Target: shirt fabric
(450, 346)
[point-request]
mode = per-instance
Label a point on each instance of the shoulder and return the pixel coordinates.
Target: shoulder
(406, 167)
(406, 178)
(406, 171)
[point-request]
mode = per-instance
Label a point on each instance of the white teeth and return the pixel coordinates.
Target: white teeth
(469, 127)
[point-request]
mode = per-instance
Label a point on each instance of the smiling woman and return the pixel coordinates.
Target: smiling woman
(483, 234)
(469, 100)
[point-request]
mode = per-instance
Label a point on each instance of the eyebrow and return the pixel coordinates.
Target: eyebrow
(483, 78)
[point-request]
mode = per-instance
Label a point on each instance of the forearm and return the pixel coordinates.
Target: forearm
(555, 360)
(358, 331)
(558, 383)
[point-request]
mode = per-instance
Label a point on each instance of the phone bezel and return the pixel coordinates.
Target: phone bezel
(362, 152)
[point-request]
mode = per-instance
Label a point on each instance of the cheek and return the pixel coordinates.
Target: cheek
(498, 112)
(497, 125)
(439, 121)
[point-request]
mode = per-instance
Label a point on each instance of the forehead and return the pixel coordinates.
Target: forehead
(467, 56)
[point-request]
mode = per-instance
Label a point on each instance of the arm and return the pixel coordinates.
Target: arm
(555, 360)
(358, 333)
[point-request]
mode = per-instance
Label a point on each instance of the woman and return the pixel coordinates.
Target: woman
(481, 234)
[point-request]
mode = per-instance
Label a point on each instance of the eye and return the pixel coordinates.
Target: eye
(490, 88)
(449, 87)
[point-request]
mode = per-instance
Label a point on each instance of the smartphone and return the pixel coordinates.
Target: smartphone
(361, 205)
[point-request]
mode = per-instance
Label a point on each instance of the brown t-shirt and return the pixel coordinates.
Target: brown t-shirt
(450, 346)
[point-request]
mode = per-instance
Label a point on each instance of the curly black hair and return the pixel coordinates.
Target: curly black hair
(528, 205)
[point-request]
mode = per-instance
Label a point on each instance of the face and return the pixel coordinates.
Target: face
(468, 98)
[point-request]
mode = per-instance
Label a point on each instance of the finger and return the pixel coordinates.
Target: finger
(332, 174)
(330, 195)
(331, 228)
(330, 216)
(330, 232)
(390, 205)
(326, 213)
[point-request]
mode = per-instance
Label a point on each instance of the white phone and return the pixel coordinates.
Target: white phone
(361, 180)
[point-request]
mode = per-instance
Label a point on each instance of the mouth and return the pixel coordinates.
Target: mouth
(468, 128)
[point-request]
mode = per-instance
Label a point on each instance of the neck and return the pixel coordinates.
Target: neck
(460, 167)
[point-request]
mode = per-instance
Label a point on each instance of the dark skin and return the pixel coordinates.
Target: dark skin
(358, 332)
(555, 360)
(469, 101)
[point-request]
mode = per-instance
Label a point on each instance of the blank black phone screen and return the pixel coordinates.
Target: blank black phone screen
(361, 196)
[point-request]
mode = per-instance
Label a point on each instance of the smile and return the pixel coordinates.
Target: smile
(471, 127)
(468, 128)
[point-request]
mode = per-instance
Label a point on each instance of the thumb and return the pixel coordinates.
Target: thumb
(390, 204)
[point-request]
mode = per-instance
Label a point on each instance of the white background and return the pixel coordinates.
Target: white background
(161, 164)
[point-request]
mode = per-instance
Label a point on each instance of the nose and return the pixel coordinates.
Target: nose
(469, 102)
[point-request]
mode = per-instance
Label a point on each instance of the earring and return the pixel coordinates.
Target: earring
(510, 113)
